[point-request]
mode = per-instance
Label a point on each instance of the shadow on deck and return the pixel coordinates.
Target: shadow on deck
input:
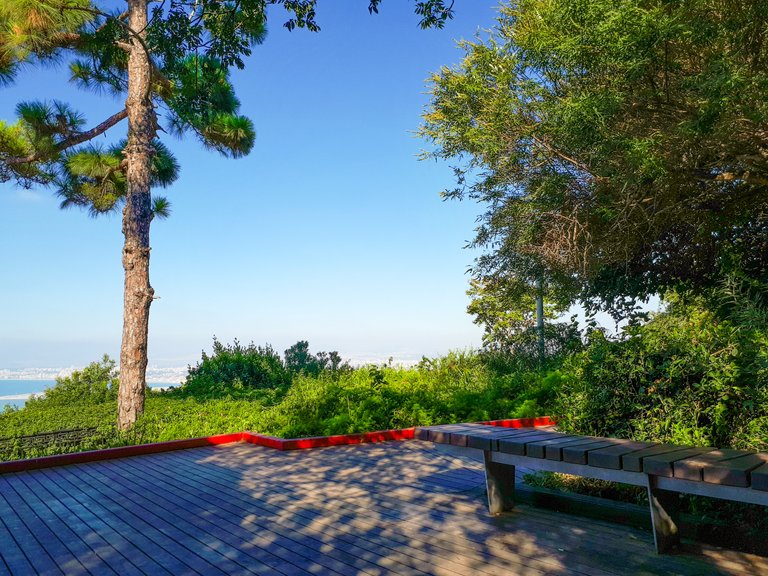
(389, 508)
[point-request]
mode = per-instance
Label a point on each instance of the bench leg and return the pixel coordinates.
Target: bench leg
(665, 508)
(500, 483)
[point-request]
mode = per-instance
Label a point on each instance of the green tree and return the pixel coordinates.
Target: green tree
(506, 309)
(620, 146)
(298, 359)
(170, 60)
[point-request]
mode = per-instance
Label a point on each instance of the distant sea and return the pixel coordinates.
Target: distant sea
(17, 392)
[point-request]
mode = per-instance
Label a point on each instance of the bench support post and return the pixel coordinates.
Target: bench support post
(500, 483)
(665, 508)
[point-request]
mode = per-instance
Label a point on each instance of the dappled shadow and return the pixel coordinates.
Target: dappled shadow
(389, 508)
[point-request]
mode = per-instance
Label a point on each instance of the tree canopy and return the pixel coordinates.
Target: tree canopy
(170, 61)
(620, 147)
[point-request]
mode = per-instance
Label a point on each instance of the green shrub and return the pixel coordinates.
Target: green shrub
(97, 383)
(236, 371)
(688, 376)
(458, 387)
(299, 360)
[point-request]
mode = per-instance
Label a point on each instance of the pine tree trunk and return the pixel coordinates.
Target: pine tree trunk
(137, 217)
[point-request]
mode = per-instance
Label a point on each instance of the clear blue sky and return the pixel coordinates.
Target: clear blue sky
(331, 230)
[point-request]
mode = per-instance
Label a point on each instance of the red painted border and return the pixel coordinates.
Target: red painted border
(325, 441)
(250, 437)
(522, 422)
(120, 452)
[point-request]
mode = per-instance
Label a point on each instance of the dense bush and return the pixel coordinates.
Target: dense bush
(97, 383)
(299, 360)
(460, 386)
(690, 375)
(236, 371)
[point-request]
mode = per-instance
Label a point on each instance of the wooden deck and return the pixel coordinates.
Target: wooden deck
(389, 508)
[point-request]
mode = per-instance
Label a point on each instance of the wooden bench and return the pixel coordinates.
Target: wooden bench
(665, 470)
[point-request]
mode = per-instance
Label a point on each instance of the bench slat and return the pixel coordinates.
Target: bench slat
(691, 468)
(517, 444)
(441, 434)
(734, 472)
(634, 460)
(610, 457)
(555, 451)
(460, 436)
(760, 478)
(662, 464)
(538, 449)
(579, 454)
(487, 440)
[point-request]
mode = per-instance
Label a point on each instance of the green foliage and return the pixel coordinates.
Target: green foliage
(85, 399)
(690, 375)
(31, 29)
(506, 309)
(203, 101)
(616, 145)
(92, 177)
(458, 387)
(97, 383)
(298, 359)
(247, 388)
(236, 371)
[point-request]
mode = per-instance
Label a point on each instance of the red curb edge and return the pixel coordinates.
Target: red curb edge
(522, 422)
(326, 441)
(112, 453)
(250, 437)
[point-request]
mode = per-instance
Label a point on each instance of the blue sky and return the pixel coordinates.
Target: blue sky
(330, 231)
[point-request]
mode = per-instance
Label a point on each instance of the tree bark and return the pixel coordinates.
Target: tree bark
(137, 217)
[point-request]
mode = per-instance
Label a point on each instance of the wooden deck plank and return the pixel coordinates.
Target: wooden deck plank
(60, 555)
(38, 557)
(165, 557)
(76, 548)
(66, 531)
(222, 481)
(12, 554)
(212, 561)
(106, 558)
(133, 555)
(397, 493)
(599, 548)
(230, 553)
(216, 501)
(137, 528)
(450, 545)
(249, 525)
(397, 508)
(300, 522)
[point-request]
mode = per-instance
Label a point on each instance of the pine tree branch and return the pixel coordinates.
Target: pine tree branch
(73, 140)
